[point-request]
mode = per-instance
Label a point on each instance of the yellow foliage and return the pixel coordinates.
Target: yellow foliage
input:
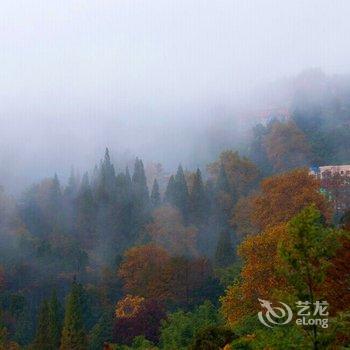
(259, 275)
(128, 306)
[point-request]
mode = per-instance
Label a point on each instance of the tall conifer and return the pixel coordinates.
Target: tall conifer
(155, 195)
(73, 333)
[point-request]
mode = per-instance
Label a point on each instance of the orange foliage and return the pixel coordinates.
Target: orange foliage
(259, 275)
(286, 146)
(283, 196)
(241, 172)
(142, 271)
(242, 217)
(337, 284)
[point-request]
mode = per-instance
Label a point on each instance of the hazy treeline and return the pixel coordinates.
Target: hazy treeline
(128, 257)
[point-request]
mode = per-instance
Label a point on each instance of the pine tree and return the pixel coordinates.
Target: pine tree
(55, 321)
(102, 332)
(42, 338)
(155, 195)
(85, 224)
(73, 333)
(224, 255)
(224, 200)
(106, 188)
(140, 201)
(139, 184)
(181, 195)
(170, 191)
(198, 200)
(222, 183)
(128, 179)
(55, 202)
(72, 186)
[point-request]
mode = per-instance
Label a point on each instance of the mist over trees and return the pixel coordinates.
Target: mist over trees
(143, 258)
(132, 252)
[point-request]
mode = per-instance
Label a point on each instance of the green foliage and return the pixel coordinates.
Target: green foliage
(279, 338)
(224, 255)
(170, 191)
(55, 321)
(155, 195)
(198, 200)
(73, 333)
(139, 343)
(101, 332)
(180, 327)
(212, 338)
(308, 251)
(229, 274)
(42, 338)
(181, 195)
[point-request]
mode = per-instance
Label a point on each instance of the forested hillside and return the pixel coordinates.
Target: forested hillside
(103, 260)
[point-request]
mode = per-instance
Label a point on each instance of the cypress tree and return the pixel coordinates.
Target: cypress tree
(42, 338)
(222, 183)
(86, 212)
(73, 333)
(181, 195)
(198, 200)
(55, 203)
(170, 191)
(106, 188)
(128, 179)
(102, 332)
(155, 195)
(55, 321)
(139, 184)
(223, 192)
(224, 255)
(72, 186)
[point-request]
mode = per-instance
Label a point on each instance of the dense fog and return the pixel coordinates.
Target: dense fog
(169, 81)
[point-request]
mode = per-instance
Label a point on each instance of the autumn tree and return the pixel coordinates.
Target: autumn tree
(241, 173)
(145, 319)
(142, 271)
(259, 275)
(168, 230)
(283, 196)
(286, 146)
(242, 217)
(337, 281)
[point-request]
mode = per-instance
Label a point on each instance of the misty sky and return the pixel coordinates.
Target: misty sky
(146, 78)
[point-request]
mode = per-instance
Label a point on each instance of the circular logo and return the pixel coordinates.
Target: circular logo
(274, 315)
